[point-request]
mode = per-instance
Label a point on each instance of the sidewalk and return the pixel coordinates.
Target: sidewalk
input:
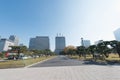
(87, 72)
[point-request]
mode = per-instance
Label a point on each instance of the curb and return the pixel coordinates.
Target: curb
(38, 62)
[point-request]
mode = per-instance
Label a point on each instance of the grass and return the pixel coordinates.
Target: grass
(112, 57)
(21, 63)
(81, 58)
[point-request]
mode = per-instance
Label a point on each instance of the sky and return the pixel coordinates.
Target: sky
(90, 19)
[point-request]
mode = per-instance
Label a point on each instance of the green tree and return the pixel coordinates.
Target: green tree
(81, 51)
(115, 46)
(103, 48)
(92, 49)
(18, 49)
(35, 52)
(118, 48)
(2, 54)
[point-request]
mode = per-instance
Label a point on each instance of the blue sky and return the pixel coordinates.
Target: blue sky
(90, 19)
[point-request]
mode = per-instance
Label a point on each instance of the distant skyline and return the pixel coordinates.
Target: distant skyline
(117, 34)
(91, 19)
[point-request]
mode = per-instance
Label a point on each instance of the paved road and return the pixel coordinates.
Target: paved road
(65, 71)
(85, 72)
(60, 61)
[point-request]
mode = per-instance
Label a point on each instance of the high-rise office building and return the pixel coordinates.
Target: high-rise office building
(15, 39)
(59, 44)
(117, 34)
(85, 43)
(39, 43)
(5, 44)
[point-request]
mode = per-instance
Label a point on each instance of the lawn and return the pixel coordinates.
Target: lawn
(112, 57)
(81, 58)
(21, 63)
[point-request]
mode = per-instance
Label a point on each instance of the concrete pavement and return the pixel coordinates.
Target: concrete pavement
(86, 72)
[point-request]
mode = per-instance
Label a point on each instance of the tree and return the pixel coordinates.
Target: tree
(39, 53)
(115, 46)
(92, 49)
(35, 52)
(81, 51)
(23, 49)
(70, 50)
(18, 49)
(118, 48)
(2, 54)
(103, 48)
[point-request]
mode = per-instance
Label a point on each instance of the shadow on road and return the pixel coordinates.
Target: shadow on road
(92, 62)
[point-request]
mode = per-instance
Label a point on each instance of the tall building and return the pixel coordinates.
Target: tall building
(59, 44)
(5, 44)
(85, 43)
(15, 39)
(117, 34)
(21, 44)
(39, 43)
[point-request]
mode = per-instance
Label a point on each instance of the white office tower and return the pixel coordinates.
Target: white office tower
(59, 44)
(5, 44)
(39, 43)
(117, 34)
(86, 43)
(15, 39)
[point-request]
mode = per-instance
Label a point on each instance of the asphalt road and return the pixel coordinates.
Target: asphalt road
(59, 61)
